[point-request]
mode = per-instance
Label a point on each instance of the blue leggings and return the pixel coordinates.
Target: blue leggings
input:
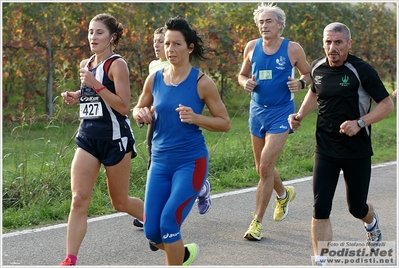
(171, 191)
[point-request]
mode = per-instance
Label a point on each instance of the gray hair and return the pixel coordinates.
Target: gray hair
(270, 7)
(338, 27)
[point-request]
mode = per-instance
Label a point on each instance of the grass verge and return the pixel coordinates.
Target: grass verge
(37, 155)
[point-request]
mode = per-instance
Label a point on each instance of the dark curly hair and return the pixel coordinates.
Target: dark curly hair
(190, 36)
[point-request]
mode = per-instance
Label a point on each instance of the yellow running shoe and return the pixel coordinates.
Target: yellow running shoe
(254, 231)
(194, 251)
(282, 205)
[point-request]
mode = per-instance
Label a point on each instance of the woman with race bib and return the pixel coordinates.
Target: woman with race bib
(104, 136)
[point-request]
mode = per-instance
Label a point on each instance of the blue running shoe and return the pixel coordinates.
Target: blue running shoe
(204, 199)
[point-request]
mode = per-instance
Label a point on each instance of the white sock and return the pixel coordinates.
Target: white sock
(369, 226)
(283, 196)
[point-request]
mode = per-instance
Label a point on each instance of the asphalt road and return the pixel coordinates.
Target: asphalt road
(114, 241)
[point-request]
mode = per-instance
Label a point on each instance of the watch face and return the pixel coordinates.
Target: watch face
(360, 123)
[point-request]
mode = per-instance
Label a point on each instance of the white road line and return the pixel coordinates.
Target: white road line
(119, 214)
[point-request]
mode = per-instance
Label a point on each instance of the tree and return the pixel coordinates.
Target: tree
(43, 43)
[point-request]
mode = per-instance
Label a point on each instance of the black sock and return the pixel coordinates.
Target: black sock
(186, 254)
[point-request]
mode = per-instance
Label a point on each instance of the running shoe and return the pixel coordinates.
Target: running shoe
(138, 223)
(67, 262)
(282, 205)
(374, 236)
(152, 247)
(194, 252)
(319, 261)
(204, 200)
(254, 231)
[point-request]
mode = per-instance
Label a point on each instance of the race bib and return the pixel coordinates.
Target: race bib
(265, 75)
(90, 107)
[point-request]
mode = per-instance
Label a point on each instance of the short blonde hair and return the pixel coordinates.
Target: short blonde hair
(270, 7)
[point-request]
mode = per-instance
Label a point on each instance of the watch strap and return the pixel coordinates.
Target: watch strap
(303, 83)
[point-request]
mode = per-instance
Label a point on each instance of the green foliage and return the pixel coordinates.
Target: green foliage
(38, 150)
(384, 137)
(37, 158)
(35, 33)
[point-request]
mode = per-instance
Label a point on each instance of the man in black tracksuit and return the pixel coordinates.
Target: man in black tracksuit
(343, 88)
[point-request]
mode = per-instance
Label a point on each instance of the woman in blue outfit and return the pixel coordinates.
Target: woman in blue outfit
(105, 136)
(179, 159)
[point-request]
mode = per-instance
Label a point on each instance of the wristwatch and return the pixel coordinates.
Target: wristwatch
(360, 123)
(303, 82)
